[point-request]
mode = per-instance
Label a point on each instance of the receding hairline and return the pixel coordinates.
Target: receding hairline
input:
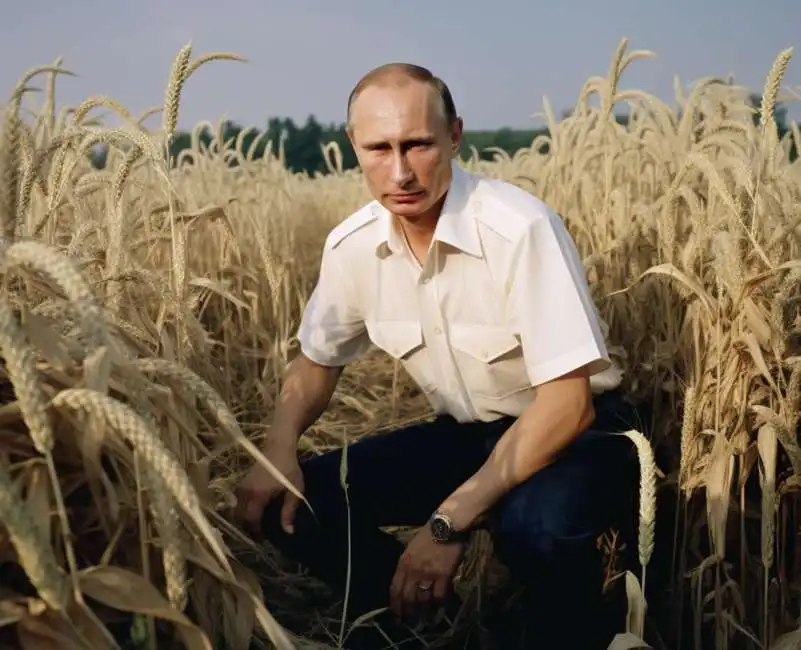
(399, 74)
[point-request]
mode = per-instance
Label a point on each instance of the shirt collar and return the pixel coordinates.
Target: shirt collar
(456, 225)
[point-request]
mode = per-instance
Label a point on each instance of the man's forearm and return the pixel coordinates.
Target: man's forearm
(560, 412)
(305, 394)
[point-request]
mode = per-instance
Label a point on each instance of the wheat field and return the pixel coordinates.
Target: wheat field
(148, 309)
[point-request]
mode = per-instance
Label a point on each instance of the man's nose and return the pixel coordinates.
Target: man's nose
(401, 171)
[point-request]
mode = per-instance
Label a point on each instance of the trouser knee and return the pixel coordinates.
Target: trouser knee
(536, 549)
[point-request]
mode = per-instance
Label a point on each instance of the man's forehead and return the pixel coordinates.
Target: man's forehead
(403, 92)
(393, 107)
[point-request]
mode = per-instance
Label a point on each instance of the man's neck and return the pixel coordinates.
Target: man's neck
(419, 232)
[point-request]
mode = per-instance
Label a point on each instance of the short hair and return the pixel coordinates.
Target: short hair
(411, 71)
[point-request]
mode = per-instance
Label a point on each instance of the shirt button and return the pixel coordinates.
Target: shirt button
(437, 330)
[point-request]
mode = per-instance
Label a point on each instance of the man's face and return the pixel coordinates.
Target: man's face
(404, 146)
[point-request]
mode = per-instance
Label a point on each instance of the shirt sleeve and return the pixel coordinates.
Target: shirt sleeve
(550, 304)
(332, 330)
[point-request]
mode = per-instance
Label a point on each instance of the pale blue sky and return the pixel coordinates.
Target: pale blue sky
(499, 57)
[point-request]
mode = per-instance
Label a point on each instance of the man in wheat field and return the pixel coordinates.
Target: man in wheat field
(477, 288)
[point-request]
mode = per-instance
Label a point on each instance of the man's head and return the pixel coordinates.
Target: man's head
(405, 131)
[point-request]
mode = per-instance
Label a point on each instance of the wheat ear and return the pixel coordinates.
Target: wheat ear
(647, 518)
(51, 262)
(153, 451)
(20, 366)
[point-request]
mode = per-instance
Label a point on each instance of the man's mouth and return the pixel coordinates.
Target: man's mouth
(406, 197)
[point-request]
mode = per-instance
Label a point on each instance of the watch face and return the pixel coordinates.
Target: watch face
(440, 528)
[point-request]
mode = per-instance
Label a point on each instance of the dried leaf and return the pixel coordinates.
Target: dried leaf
(38, 498)
(42, 629)
(129, 592)
(765, 415)
(672, 271)
(747, 462)
(11, 612)
(718, 482)
(757, 322)
(97, 372)
(41, 334)
(275, 632)
(635, 616)
(217, 288)
(628, 641)
(767, 444)
(92, 628)
(97, 369)
(759, 360)
(47, 633)
(788, 641)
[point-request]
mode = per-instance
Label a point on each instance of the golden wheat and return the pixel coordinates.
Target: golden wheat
(154, 294)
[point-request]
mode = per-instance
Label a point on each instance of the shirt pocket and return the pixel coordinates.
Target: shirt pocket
(490, 360)
(403, 341)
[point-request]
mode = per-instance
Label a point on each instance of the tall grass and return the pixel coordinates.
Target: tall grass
(147, 311)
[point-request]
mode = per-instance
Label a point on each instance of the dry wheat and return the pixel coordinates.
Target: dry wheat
(151, 286)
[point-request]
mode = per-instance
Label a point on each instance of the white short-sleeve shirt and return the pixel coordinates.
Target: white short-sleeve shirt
(501, 305)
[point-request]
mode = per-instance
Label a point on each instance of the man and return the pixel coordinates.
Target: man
(477, 288)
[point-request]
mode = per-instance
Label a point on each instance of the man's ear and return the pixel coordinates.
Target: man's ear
(457, 131)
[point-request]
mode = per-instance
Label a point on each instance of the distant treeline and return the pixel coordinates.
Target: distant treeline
(302, 144)
(303, 151)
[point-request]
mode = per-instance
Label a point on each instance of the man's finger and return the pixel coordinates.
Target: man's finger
(425, 591)
(396, 592)
(409, 597)
(440, 588)
(252, 508)
(288, 512)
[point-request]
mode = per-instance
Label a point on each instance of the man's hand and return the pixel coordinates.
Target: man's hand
(306, 392)
(259, 487)
(425, 573)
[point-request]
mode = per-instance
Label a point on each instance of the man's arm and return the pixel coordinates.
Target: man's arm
(305, 394)
(331, 335)
(553, 314)
(561, 410)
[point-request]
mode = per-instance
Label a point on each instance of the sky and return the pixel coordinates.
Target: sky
(500, 58)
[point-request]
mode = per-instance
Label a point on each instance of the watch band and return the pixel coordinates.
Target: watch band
(442, 530)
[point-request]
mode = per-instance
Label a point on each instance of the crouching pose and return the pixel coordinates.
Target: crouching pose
(476, 287)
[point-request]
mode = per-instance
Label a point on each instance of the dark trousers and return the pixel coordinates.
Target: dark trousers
(545, 530)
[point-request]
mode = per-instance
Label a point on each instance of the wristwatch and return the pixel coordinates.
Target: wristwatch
(442, 530)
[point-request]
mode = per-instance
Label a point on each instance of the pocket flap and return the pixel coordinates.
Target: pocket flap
(395, 337)
(483, 342)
